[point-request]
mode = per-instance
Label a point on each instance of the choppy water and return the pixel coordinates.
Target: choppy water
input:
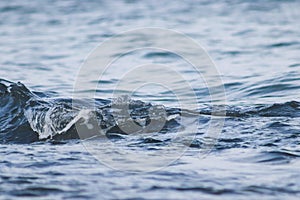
(255, 46)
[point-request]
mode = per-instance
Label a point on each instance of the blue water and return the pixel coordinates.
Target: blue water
(255, 47)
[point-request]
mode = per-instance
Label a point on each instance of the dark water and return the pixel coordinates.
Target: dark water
(255, 46)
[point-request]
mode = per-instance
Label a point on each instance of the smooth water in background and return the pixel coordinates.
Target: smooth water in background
(255, 46)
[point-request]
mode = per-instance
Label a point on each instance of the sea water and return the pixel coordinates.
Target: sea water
(255, 48)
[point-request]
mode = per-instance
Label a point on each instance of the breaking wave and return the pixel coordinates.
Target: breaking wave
(27, 116)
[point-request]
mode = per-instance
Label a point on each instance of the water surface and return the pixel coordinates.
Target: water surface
(255, 46)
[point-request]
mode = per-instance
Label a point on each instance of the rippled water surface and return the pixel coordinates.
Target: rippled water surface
(255, 47)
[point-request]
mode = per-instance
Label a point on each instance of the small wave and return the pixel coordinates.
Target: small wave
(288, 109)
(160, 54)
(274, 157)
(262, 189)
(294, 65)
(282, 44)
(205, 189)
(27, 116)
(10, 8)
(272, 88)
(36, 191)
